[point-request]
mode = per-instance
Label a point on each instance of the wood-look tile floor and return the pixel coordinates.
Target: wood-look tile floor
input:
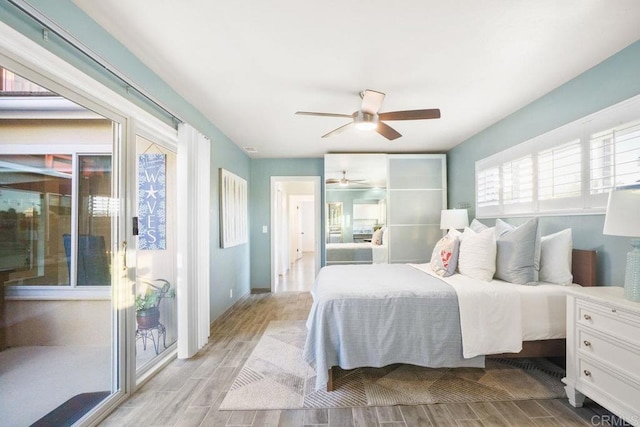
(189, 392)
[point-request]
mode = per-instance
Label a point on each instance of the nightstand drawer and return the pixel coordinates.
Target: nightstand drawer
(609, 321)
(622, 391)
(620, 356)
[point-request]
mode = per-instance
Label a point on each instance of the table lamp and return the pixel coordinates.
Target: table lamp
(453, 218)
(623, 219)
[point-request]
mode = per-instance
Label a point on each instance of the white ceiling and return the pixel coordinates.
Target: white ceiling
(249, 65)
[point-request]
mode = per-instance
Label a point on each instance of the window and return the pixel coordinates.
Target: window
(56, 195)
(566, 171)
(517, 181)
(559, 171)
(13, 84)
(37, 195)
(488, 187)
(615, 157)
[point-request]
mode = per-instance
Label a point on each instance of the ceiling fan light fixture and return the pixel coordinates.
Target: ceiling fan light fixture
(344, 182)
(365, 121)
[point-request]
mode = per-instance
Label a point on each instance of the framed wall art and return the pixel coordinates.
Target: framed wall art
(233, 210)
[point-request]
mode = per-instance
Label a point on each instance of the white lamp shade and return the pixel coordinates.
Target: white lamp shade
(453, 218)
(623, 214)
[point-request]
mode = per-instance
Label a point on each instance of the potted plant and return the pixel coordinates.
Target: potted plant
(147, 304)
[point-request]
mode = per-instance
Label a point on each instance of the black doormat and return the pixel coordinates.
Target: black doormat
(71, 410)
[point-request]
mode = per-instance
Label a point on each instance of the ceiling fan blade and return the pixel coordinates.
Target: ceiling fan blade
(371, 101)
(338, 130)
(310, 113)
(387, 131)
(411, 115)
(332, 181)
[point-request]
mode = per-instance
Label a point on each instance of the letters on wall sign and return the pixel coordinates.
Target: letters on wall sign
(152, 202)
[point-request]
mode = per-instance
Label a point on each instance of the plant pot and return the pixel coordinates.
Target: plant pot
(148, 318)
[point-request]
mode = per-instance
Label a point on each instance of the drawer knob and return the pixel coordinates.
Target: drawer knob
(587, 317)
(587, 343)
(587, 373)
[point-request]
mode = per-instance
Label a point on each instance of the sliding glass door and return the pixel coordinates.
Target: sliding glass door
(61, 335)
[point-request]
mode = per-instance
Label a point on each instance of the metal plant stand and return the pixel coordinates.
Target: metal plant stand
(147, 333)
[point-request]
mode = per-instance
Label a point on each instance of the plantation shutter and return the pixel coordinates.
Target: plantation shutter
(488, 191)
(615, 157)
(560, 177)
(517, 185)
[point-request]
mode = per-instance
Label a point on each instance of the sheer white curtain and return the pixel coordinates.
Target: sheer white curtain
(194, 171)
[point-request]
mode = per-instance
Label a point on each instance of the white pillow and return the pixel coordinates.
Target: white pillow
(477, 257)
(555, 258)
(477, 226)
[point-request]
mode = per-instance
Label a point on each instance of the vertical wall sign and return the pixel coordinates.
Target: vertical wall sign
(233, 209)
(152, 202)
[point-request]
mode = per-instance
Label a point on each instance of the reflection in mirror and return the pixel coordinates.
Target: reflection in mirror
(334, 222)
(368, 216)
(356, 207)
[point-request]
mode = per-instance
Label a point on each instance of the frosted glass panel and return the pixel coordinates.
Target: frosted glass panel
(415, 207)
(415, 173)
(414, 243)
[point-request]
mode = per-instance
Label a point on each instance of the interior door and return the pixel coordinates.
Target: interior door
(300, 230)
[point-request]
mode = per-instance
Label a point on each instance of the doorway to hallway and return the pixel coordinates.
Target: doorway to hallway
(300, 276)
(295, 236)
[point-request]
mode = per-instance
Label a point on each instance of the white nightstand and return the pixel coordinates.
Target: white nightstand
(603, 350)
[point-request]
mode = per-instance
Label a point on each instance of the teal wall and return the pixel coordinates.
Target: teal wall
(260, 209)
(229, 267)
(608, 83)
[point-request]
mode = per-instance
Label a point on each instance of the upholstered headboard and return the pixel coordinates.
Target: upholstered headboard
(583, 267)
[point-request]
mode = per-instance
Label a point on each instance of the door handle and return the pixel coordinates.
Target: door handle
(124, 255)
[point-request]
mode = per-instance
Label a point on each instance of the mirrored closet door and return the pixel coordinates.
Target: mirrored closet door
(383, 208)
(356, 208)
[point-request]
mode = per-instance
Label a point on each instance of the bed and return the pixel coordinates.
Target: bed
(355, 253)
(372, 322)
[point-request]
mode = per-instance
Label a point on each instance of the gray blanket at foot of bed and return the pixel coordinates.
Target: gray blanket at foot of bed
(380, 314)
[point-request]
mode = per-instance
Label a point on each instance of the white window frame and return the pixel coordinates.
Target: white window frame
(72, 290)
(582, 129)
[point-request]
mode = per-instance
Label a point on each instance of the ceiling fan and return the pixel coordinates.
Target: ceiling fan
(369, 117)
(343, 181)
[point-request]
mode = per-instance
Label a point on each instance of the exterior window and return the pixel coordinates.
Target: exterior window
(37, 193)
(615, 157)
(567, 171)
(13, 84)
(517, 181)
(489, 187)
(560, 171)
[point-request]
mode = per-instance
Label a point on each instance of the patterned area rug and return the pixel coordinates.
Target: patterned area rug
(276, 377)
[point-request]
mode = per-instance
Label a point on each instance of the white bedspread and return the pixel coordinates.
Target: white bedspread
(490, 314)
(544, 311)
